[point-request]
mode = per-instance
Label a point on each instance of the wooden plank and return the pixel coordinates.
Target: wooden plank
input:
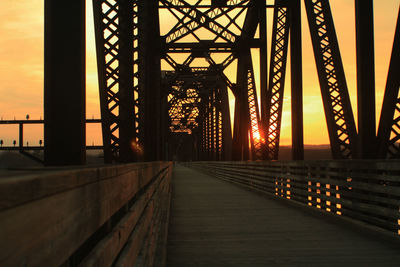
(105, 252)
(132, 248)
(244, 174)
(18, 190)
(373, 209)
(48, 230)
(161, 252)
(216, 224)
(381, 189)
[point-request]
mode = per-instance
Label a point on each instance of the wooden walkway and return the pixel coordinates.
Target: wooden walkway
(215, 223)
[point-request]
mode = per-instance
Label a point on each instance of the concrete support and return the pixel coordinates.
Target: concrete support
(64, 83)
(365, 79)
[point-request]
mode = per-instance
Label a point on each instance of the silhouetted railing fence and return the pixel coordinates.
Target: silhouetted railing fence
(367, 191)
(113, 215)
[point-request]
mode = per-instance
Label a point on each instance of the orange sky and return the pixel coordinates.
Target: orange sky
(21, 67)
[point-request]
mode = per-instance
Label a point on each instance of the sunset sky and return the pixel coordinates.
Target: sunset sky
(21, 67)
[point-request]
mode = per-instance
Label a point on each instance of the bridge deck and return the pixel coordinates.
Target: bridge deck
(214, 223)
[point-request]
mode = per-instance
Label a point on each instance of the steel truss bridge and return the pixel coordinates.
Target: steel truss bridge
(166, 69)
(165, 74)
(163, 70)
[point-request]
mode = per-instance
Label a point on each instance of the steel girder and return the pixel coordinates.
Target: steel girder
(127, 42)
(279, 47)
(247, 125)
(184, 99)
(287, 20)
(212, 147)
(335, 96)
(365, 51)
(116, 28)
(152, 134)
(249, 113)
(389, 125)
(195, 106)
(296, 66)
(230, 37)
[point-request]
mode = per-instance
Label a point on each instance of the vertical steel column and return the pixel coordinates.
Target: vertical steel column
(210, 127)
(335, 95)
(204, 136)
(296, 80)
(64, 83)
(276, 86)
(263, 67)
(220, 139)
(128, 149)
(214, 131)
(102, 80)
(216, 123)
(245, 126)
(226, 123)
(106, 21)
(389, 123)
(237, 145)
(365, 79)
(205, 132)
(150, 78)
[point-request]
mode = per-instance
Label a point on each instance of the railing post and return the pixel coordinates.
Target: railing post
(21, 136)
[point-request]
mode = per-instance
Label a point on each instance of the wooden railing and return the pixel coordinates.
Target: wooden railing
(367, 191)
(113, 215)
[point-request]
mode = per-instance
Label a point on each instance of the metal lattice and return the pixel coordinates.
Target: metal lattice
(108, 41)
(389, 125)
(183, 107)
(106, 13)
(335, 96)
(256, 135)
(393, 150)
(191, 22)
(280, 37)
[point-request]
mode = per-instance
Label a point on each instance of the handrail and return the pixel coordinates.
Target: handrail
(363, 190)
(89, 216)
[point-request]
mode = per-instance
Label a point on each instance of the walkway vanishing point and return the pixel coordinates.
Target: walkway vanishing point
(215, 223)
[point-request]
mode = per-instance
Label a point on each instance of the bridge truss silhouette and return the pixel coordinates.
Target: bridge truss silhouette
(167, 67)
(143, 101)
